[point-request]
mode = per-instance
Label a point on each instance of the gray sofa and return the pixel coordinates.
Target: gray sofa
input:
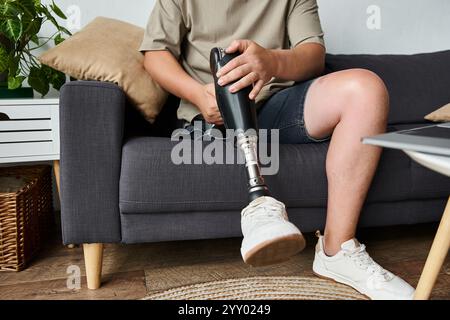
(118, 183)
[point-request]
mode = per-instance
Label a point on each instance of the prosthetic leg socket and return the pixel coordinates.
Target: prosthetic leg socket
(239, 114)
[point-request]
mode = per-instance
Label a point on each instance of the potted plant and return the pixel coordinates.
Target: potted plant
(20, 23)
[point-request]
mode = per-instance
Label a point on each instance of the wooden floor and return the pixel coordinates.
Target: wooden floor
(133, 271)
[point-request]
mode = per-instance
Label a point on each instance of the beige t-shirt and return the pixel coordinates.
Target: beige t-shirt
(189, 29)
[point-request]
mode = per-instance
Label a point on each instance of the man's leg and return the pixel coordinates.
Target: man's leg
(350, 104)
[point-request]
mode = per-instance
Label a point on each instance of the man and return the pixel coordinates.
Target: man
(283, 55)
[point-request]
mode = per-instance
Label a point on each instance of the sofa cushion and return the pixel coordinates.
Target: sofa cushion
(175, 226)
(107, 50)
(151, 183)
(418, 84)
(440, 115)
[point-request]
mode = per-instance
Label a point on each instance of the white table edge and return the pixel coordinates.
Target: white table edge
(440, 164)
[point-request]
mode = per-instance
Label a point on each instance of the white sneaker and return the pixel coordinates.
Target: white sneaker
(354, 267)
(269, 237)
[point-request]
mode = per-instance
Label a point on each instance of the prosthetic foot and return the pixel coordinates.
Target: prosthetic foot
(269, 237)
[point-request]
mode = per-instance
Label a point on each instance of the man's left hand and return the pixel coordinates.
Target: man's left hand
(255, 66)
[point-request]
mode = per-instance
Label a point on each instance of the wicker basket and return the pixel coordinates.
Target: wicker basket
(26, 213)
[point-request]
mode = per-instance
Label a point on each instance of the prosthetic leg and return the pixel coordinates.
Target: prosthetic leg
(239, 114)
(269, 237)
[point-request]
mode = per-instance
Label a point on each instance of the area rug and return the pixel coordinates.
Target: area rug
(262, 288)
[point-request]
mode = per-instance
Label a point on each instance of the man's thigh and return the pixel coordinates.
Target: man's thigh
(285, 111)
(323, 108)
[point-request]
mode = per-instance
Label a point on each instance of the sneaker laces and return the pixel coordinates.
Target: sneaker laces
(268, 210)
(363, 260)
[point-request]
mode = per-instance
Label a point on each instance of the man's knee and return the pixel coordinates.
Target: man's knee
(365, 93)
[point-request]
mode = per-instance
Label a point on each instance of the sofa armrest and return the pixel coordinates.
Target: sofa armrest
(92, 129)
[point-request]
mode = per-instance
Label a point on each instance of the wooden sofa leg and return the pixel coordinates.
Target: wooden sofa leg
(57, 174)
(93, 258)
(56, 170)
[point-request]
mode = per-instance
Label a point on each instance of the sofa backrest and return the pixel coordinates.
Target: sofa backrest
(165, 124)
(418, 84)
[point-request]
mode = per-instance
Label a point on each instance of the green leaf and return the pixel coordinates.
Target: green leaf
(59, 39)
(39, 7)
(15, 82)
(56, 78)
(50, 17)
(12, 29)
(57, 11)
(35, 40)
(13, 66)
(5, 42)
(28, 7)
(11, 9)
(34, 27)
(62, 29)
(38, 81)
(4, 59)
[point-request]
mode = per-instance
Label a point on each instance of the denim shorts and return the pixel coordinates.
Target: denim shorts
(285, 111)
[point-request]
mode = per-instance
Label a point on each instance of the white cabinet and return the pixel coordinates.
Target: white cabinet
(29, 130)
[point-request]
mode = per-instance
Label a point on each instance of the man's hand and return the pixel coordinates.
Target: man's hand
(207, 104)
(255, 66)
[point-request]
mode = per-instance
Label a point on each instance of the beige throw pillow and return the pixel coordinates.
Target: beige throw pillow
(108, 50)
(440, 115)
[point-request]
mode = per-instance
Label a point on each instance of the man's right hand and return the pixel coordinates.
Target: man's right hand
(169, 74)
(208, 105)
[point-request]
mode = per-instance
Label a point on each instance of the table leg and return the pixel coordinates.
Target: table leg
(56, 171)
(436, 258)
